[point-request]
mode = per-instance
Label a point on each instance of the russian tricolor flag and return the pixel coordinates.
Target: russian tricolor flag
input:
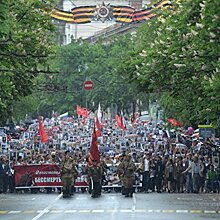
(121, 121)
(65, 115)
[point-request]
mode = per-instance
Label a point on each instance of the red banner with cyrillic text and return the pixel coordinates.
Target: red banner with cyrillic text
(45, 175)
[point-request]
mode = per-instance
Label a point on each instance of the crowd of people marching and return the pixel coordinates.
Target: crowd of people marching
(164, 160)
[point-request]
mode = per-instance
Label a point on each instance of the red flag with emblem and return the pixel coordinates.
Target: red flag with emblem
(94, 150)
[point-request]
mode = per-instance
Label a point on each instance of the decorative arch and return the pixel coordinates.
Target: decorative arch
(105, 12)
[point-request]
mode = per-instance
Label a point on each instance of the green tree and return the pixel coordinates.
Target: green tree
(178, 57)
(26, 41)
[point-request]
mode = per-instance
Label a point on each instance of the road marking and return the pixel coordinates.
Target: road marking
(112, 210)
(69, 211)
(14, 212)
(47, 208)
(133, 207)
(210, 212)
(39, 211)
(196, 211)
(157, 211)
(15, 199)
(97, 211)
(191, 199)
(84, 211)
(55, 211)
(182, 211)
(134, 202)
(126, 210)
(140, 210)
(28, 211)
(168, 211)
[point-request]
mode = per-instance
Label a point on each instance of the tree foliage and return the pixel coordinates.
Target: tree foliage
(26, 39)
(180, 60)
(80, 61)
(175, 56)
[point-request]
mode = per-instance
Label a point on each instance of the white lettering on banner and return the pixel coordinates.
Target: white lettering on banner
(47, 180)
(47, 172)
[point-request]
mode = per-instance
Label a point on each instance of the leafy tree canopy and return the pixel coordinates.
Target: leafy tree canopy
(26, 41)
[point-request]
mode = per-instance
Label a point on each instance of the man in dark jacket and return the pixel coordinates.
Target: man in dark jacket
(159, 173)
(7, 171)
(1, 174)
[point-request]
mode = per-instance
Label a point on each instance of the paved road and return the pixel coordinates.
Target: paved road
(110, 206)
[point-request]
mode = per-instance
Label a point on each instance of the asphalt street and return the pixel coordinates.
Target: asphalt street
(110, 206)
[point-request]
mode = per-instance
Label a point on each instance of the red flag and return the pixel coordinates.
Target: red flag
(78, 110)
(174, 122)
(94, 151)
(43, 135)
(120, 122)
(135, 119)
(82, 111)
(85, 113)
(98, 127)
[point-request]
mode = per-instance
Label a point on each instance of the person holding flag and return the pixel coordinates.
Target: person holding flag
(95, 174)
(94, 168)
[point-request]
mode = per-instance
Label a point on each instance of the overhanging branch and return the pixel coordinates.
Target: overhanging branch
(31, 71)
(24, 55)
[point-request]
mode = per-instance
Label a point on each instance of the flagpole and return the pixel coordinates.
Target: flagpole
(86, 101)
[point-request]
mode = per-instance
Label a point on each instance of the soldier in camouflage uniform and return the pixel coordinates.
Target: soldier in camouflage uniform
(128, 176)
(120, 172)
(68, 175)
(95, 174)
